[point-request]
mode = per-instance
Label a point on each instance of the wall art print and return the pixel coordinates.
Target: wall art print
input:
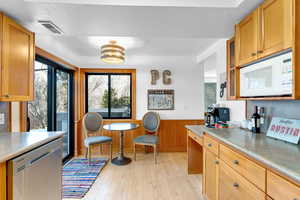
(160, 99)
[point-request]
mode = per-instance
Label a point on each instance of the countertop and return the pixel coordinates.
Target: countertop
(15, 144)
(278, 155)
(195, 129)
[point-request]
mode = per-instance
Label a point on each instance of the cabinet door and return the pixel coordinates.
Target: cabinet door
(211, 175)
(275, 17)
(247, 39)
(17, 62)
(233, 186)
(279, 188)
(231, 70)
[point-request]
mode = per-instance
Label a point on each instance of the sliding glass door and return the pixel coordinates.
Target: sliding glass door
(52, 109)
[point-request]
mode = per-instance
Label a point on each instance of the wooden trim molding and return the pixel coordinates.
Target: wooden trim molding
(3, 181)
(23, 116)
(55, 59)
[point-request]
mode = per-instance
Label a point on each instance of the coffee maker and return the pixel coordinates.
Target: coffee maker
(215, 115)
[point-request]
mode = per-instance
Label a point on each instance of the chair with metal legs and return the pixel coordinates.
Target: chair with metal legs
(151, 121)
(92, 125)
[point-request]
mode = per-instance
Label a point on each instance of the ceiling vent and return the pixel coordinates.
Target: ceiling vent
(51, 27)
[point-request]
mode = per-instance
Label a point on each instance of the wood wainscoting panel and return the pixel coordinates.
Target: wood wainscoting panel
(172, 136)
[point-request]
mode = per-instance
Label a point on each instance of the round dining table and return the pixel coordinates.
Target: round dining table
(121, 128)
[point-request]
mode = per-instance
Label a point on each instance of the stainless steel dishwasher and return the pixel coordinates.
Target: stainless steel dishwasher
(36, 175)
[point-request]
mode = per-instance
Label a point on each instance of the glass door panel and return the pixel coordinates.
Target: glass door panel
(38, 109)
(52, 109)
(63, 108)
(120, 96)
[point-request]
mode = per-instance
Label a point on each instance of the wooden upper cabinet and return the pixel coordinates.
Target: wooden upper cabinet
(17, 62)
(211, 175)
(246, 39)
(275, 26)
(231, 70)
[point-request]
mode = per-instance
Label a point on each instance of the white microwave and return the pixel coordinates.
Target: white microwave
(270, 77)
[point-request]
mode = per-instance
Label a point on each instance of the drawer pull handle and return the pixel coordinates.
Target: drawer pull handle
(236, 162)
(295, 199)
(217, 162)
(210, 145)
(236, 185)
(261, 51)
(253, 54)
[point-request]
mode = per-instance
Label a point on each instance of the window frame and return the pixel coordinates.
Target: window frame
(53, 67)
(109, 74)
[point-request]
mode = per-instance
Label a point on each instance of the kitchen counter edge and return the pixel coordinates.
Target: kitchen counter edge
(54, 135)
(200, 129)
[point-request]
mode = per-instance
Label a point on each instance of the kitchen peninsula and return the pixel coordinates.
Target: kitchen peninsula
(240, 163)
(13, 145)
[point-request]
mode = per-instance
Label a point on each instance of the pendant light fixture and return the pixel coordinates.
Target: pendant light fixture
(112, 53)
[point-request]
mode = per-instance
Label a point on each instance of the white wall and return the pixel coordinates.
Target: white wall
(187, 82)
(15, 116)
(237, 108)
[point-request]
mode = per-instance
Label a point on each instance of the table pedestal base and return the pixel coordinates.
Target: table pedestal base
(121, 161)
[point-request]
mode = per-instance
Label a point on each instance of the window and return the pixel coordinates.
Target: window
(109, 94)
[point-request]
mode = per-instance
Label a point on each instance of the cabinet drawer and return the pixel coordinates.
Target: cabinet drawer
(279, 188)
(196, 137)
(235, 187)
(211, 144)
(250, 170)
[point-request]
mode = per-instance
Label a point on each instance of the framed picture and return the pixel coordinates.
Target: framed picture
(160, 99)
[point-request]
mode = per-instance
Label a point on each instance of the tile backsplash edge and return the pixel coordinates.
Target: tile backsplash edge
(284, 108)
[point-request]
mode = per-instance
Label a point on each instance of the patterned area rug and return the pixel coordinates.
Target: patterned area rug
(79, 176)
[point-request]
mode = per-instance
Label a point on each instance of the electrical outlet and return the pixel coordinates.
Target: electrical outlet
(2, 118)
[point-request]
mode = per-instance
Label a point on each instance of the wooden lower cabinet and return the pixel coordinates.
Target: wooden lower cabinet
(279, 188)
(3, 181)
(211, 175)
(211, 144)
(254, 172)
(232, 186)
(230, 175)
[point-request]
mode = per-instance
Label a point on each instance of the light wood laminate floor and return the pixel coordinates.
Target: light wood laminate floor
(144, 180)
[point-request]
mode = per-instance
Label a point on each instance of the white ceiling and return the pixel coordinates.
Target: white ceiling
(183, 28)
(169, 3)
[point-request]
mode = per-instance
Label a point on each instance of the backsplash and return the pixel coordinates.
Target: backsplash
(285, 109)
(4, 108)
